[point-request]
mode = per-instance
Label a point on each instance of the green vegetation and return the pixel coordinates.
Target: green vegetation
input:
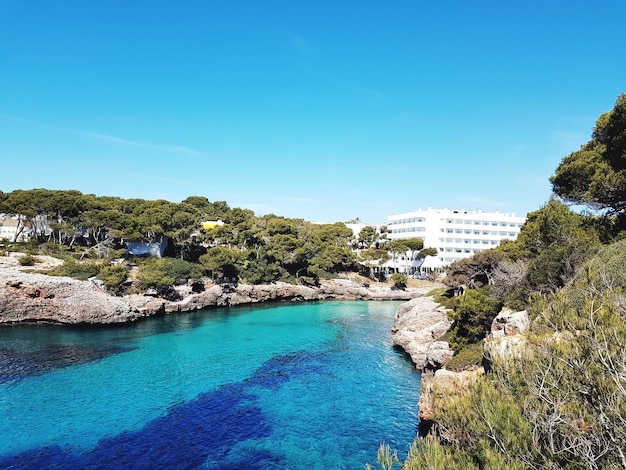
(399, 280)
(91, 233)
(466, 358)
(28, 260)
(113, 278)
(559, 402)
(75, 269)
(595, 175)
(472, 315)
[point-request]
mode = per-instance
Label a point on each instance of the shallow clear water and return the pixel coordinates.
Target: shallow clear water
(301, 386)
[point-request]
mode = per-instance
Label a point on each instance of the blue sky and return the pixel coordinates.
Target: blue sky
(323, 110)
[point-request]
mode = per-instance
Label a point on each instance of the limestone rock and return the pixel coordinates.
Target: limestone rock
(505, 347)
(507, 335)
(417, 325)
(30, 297)
(508, 323)
(442, 385)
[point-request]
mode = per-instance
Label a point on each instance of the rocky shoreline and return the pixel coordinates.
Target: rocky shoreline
(27, 297)
(417, 326)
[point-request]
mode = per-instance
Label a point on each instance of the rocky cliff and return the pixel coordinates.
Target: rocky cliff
(418, 324)
(30, 297)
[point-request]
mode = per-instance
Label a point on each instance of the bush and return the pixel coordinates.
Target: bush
(221, 261)
(261, 272)
(180, 269)
(27, 260)
(76, 269)
(399, 280)
(472, 316)
(153, 275)
(468, 357)
(113, 278)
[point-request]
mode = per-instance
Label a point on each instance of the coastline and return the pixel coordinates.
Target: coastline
(27, 297)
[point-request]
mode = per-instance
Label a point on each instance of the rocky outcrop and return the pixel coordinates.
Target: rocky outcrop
(507, 337)
(224, 295)
(441, 385)
(508, 323)
(417, 325)
(30, 297)
(416, 328)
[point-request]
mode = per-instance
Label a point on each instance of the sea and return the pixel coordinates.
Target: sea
(282, 386)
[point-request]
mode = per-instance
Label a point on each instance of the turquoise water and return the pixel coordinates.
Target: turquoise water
(301, 386)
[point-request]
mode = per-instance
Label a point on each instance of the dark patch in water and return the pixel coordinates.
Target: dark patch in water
(16, 365)
(199, 433)
(280, 369)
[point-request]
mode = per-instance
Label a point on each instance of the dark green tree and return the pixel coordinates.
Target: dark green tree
(367, 237)
(595, 175)
(220, 261)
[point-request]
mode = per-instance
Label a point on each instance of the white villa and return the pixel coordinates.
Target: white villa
(456, 234)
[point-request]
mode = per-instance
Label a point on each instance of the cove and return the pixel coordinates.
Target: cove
(297, 386)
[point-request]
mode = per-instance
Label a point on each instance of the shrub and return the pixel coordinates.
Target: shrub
(179, 269)
(472, 317)
(399, 280)
(76, 269)
(27, 260)
(466, 358)
(261, 272)
(221, 261)
(154, 275)
(113, 278)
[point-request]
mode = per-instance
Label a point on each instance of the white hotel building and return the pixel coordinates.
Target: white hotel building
(456, 234)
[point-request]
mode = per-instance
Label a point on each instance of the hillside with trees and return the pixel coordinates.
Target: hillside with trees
(201, 239)
(559, 400)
